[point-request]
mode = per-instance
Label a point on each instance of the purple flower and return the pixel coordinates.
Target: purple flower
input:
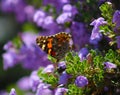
(39, 17)
(34, 80)
(109, 65)
(20, 13)
(24, 83)
(70, 9)
(9, 5)
(24, 12)
(29, 54)
(12, 92)
(2, 92)
(79, 35)
(116, 21)
(29, 11)
(33, 56)
(96, 36)
(8, 45)
(48, 20)
(63, 18)
(49, 23)
(106, 88)
(116, 18)
(69, 12)
(49, 69)
(81, 81)
(61, 66)
(44, 21)
(63, 79)
(28, 38)
(118, 42)
(43, 89)
(83, 53)
(61, 91)
(18, 7)
(11, 57)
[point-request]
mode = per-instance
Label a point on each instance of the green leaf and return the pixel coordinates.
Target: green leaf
(48, 78)
(107, 11)
(52, 59)
(74, 90)
(30, 27)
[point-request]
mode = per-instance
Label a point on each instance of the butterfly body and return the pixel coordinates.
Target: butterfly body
(55, 45)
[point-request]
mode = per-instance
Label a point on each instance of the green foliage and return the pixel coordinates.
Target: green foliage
(108, 29)
(17, 42)
(77, 67)
(92, 68)
(107, 11)
(99, 71)
(48, 78)
(50, 8)
(17, 89)
(29, 27)
(74, 65)
(113, 57)
(52, 59)
(36, 3)
(74, 90)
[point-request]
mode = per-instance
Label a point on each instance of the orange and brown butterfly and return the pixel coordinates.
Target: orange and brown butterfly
(55, 45)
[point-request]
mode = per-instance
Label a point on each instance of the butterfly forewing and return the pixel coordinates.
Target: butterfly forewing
(56, 45)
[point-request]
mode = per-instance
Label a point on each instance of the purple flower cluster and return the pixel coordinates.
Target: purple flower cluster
(67, 15)
(24, 83)
(11, 57)
(78, 30)
(45, 21)
(34, 83)
(21, 10)
(29, 55)
(80, 35)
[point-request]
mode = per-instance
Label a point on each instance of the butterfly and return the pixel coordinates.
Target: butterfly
(55, 45)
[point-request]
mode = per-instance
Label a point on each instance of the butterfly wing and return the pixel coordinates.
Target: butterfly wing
(56, 45)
